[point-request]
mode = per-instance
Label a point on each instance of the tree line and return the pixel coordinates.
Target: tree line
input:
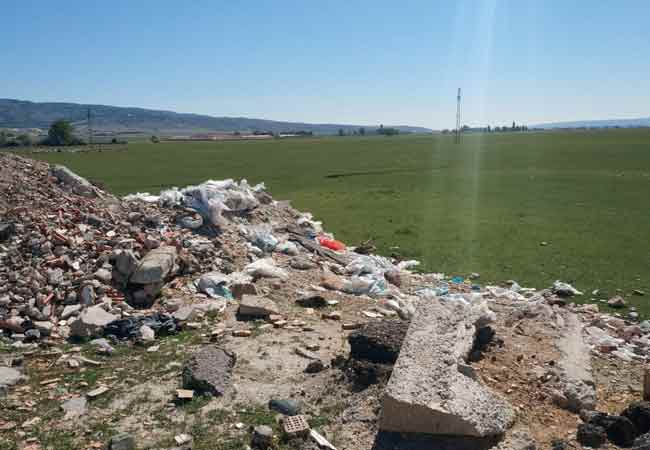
(489, 129)
(61, 133)
(386, 131)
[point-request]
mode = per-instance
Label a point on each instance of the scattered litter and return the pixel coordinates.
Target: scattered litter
(565, 289)
(183, 439)
(295, 425)
(320, 440)
(332, 244)
(214, 285)
(129, 328)
(97, 392)
(265, 268)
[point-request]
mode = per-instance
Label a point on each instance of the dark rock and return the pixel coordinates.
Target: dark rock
(315, 366)
(639, 414)
(365, 373)
(262, 437)
(312, 301)
(287, 407)
(642, 442)
(94, 220)
(484, 337)
(209, 371)
(591, 435)
(6, 230)
(620, 430)
(378, 341)
(559, 444)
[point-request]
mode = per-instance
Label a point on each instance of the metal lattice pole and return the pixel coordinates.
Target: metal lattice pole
(458, 117)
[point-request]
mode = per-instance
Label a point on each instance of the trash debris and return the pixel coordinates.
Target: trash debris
(214, 284)
(129, 328)
(265, 268)
(262, 437)
(332, 244)
(288, 407)
(564, 289)
(294, 426)
(320, 440)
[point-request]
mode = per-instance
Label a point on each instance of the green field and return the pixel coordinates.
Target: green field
(483, 206)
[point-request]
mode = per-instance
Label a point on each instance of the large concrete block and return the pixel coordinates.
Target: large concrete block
(155, 266)
(432, 389)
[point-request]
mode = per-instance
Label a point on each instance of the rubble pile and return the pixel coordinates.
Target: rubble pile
(78, 264)
(68, 248)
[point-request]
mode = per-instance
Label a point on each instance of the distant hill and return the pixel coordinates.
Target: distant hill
(25, 114)
(622, 123)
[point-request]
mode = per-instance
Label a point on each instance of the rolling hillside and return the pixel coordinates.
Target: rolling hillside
(26, 114)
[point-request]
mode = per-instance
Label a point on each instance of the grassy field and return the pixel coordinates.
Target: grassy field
(483, 206)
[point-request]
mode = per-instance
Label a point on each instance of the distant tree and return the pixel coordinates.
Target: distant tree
(3, 138)
(236, 133)
(445, 131)
(513, 126)
(155, 139)
(24, 140)
(62, 133)
(341, 132)
(362, 131)
(489, 129)
(386, 131)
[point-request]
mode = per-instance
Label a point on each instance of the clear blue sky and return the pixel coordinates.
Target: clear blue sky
(362, 62)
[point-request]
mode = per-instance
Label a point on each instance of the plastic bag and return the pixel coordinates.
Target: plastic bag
(265, 268)
(307, 220)
(366, 264)
(405, 265)
(209, 198)
(372, 285)
(261, 237)
(214, 285)
(141, 196)
(499, 292)
(564, 289)
(287, 247)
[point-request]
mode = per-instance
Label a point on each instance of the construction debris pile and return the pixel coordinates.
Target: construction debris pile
(78, 264)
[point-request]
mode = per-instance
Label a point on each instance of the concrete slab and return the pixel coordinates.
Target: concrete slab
(430, 390)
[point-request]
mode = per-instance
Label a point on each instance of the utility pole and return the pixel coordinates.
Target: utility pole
(458, 117)
(90, 129)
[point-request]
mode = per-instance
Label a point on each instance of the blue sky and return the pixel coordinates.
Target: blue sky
(361, 62)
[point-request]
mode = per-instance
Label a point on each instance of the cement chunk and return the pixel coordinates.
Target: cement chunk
(155, 266)
(254, 306)
(77, 184)
(429, 392)
(91, 322)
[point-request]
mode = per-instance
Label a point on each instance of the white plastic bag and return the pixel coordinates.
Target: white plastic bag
(265, 268)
